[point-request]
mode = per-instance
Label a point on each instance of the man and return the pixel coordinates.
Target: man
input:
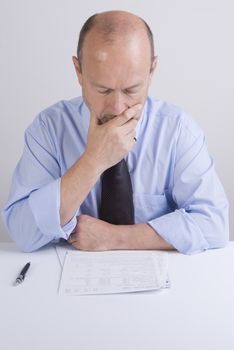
(58, 185)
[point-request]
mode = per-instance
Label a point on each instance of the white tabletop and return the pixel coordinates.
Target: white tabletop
(197, 312)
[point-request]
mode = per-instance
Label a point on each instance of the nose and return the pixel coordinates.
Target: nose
(117, 103)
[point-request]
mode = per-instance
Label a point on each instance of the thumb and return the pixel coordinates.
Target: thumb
(93, 119)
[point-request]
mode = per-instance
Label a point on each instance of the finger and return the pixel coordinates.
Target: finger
(131, 139)
(126, 115)
(93, 119)
(132, 135)
(76, 245)
(129, 126)
(72, 239)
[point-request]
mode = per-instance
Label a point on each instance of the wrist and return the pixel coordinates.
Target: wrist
(92, 163)
(124, 237)
(138, 236)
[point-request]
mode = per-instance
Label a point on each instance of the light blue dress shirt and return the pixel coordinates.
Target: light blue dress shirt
(176, 189)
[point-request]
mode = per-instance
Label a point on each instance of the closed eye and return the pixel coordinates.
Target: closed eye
(105, 92)
(130, 92)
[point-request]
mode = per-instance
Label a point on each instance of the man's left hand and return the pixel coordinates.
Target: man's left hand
(93, 234)
(97, 235)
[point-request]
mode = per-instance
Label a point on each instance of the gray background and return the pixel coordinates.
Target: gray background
(194, 43)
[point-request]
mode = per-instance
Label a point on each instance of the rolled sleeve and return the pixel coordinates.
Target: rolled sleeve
(181, 231)
(45, 206)
(32, 214)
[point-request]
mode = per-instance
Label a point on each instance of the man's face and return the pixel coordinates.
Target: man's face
(115, 76)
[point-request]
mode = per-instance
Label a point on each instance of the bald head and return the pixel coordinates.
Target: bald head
(114, 25)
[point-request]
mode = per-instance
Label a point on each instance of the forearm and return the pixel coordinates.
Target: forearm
(139, 236)
(75, 186)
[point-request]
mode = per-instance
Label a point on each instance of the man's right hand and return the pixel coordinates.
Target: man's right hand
(109, 143)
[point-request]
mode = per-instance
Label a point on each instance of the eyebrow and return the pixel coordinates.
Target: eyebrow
(107, 88)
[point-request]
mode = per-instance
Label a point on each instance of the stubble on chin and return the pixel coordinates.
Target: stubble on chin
(105, 119)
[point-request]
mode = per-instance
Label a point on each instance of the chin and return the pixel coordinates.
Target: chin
(106, 119)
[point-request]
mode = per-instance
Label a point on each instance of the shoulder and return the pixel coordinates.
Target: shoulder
(167, 115)
(53, 120)
(51, 123)
(59, 113)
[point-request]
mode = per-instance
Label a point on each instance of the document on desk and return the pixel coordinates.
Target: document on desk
(113, 272)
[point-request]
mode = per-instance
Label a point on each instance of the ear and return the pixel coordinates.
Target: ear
(77, 69)
(153, 66)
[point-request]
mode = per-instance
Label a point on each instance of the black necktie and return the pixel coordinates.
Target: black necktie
(117, 200)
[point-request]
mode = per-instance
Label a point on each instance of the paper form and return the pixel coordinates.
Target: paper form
(61, 250)
(113, 272)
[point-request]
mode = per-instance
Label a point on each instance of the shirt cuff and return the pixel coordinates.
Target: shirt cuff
(45, 206)
(181, 231)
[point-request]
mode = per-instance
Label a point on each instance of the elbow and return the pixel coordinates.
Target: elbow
(24, 245)
(220, 239)
(220, 232)
(26, 239)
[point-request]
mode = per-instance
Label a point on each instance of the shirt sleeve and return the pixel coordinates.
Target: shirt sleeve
(32, 212)
(200, 218)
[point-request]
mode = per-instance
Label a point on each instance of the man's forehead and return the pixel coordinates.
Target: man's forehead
(101, 55)
(127, 87)
(97, 45)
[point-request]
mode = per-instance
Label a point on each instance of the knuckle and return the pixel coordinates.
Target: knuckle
(82, 218)
(127, 115)
(134, 122)
(116, 137)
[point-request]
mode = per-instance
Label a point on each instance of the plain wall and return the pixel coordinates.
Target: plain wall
(194, 44)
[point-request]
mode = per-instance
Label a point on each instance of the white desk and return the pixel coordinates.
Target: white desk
(197, 312)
